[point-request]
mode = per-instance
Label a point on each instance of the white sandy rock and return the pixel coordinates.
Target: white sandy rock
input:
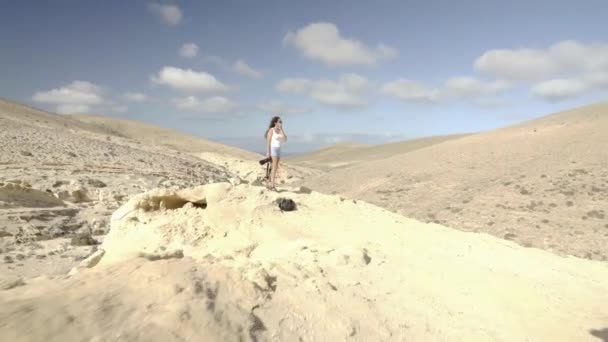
(336, 270)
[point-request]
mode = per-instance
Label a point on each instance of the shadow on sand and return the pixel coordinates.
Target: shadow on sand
(602, 334)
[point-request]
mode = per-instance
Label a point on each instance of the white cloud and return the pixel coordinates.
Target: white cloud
(563, 70)
(293, 85)
(322, 41)
(188, 50)
(462, 87)
(279, 108)
(353, 82)
(188, 80)
(219, 61)
(73, 109)
(538, 64)
(466, 86)
(169, 14)
(77, 92)
(523, 64)
(333, 139)
(119, 109)
(135, 97)
(216, 104)
(410, 90)
(190, 103)
(346, 92)
(559, 89)
(490, 102)
(307, 138)
(76, 97)
(335, 94)
(597, 80)
(244, 69)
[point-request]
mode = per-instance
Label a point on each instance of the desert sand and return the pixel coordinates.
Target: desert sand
(344, 155)
(542, 183)
(61, 178)
(108, 234)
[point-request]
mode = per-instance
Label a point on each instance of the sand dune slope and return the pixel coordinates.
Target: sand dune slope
(222, 263)
(151, 134)
(345, 155)
(61, 177)
(542, 183)
(18, 113)
(322, 158)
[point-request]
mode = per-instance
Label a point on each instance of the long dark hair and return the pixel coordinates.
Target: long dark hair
(273, 122)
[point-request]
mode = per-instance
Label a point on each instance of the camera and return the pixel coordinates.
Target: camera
(265, 160)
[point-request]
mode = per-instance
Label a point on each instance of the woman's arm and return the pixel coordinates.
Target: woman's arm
(284, 135)
(268, 138)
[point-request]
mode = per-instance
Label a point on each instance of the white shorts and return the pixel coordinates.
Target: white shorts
(275, 151)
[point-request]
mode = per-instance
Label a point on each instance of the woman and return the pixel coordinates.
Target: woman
(275, 136)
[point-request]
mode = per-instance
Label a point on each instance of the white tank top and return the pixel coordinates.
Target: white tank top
(275, 140)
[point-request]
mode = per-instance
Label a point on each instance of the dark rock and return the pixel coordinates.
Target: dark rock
(96, 183)
(286, 204)
(304, 190)
(83, 240)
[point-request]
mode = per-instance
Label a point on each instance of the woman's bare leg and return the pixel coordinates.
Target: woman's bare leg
(275, 165)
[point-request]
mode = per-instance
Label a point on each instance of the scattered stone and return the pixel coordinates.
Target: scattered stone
(78, 257)
(59, 183)
(73, 271)
(96, 183)
(286, 204)
(83, 240)
(596, 214)
(257, 182)
(34, 245)
(92, 259)
(27, 154)
(176, 254)
(366, 258)
(304, 190)
(11, 283)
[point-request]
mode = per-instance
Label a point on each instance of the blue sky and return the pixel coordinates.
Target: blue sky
(369, 71)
